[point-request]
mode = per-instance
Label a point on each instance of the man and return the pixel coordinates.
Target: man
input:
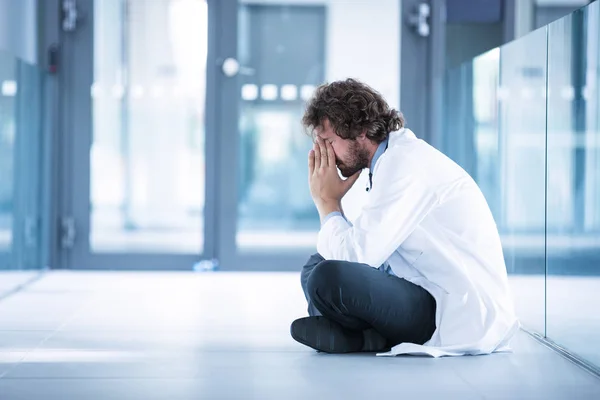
(421, 269)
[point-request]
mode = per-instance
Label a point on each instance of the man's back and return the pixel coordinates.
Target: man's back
(454, 250)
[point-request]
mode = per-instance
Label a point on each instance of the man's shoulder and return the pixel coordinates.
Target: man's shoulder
(415, 157)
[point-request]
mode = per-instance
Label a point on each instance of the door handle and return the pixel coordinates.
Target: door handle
(68, 232)
(30, 231)
(231, 67)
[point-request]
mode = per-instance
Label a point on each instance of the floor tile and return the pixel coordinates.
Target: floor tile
(18, 340)
(222, 336)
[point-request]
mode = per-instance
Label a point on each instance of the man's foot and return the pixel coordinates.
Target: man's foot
(328, 336)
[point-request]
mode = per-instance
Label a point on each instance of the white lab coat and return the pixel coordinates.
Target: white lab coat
(428, 219)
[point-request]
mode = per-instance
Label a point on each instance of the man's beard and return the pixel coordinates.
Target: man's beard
(358, 160)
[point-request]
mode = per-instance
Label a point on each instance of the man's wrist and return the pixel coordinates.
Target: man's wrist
(327, 208)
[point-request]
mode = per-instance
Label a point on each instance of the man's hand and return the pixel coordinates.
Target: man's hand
(326, 186)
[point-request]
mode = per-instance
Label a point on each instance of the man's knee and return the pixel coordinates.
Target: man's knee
(325, 275)
(313, 261)
(310, 265)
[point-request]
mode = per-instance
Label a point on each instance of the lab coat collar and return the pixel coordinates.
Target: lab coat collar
(391, 141)
(403, 133)
(383, 146)
(380, 149)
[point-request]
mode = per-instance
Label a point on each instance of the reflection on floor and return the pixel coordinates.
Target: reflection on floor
(570, 306)
(225, 336)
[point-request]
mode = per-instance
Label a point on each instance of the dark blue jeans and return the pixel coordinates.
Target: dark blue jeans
(360, 297)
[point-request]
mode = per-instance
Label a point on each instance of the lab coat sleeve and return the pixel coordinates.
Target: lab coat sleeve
(394, 209)
(333, 214)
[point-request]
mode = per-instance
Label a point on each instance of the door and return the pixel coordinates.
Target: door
(137, 154)
(271, 57)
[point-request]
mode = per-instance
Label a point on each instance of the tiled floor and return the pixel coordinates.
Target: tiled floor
(11, 281)
(226, 336)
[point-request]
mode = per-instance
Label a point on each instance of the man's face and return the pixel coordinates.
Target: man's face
(351, 156)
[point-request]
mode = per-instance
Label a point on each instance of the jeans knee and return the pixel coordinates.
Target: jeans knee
(325, 275)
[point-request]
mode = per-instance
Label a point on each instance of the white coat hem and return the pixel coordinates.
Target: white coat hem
(453, 351)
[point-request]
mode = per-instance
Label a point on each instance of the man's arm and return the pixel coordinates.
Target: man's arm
(396, 206)
(398, 203)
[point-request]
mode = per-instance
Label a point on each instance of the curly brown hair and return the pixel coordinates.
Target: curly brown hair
(351, 108)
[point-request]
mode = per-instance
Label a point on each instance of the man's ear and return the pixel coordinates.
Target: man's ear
(362, 136)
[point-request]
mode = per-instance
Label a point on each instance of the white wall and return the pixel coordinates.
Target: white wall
(18, 28)
(363, 41)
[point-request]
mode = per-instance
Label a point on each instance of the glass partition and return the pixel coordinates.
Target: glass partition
(8, 88)
(147, 158)
(573, 225)
(496, 130)
(520, 178)
(524, 121)
(20, 171)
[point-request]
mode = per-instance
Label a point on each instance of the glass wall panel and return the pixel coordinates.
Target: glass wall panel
(495, 130)
(20, 171)
(524, 120)
(148, 156)
(573, 298)
(520, 187)
(8, 91)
